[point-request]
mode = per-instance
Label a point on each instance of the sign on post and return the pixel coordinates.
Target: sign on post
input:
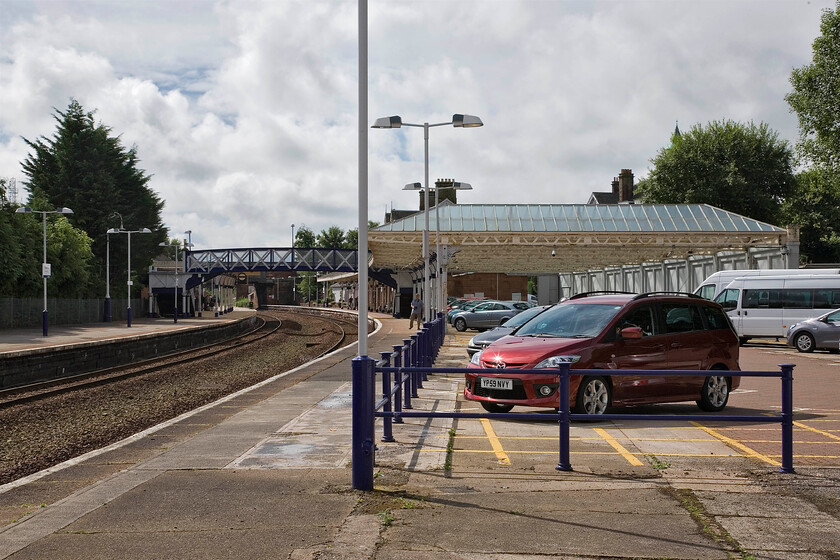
(45, 270)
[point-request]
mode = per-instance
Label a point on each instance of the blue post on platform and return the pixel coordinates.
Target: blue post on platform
(563, 392)
(787, 418)
(363, 418)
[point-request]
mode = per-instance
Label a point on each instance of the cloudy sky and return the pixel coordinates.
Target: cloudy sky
(245, 112)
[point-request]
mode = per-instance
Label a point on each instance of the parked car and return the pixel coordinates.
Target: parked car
(482, 340)
(819, 332)
(466, 306)
(608, 332)
(487, 315)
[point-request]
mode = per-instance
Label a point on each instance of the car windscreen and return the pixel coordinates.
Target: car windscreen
(571, 320)
(524, 317)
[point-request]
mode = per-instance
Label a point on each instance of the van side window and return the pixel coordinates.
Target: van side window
(707, 291)
(797, 299)
(715, 317)
(728, 298)
(681, 317)
(762, 298)
(826, 299)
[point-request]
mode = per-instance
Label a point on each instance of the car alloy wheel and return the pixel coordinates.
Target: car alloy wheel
(804, 342)
(593, 396)
(460, 324)
(715, 394)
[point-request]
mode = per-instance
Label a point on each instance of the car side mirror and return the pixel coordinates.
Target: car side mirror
(630, 332)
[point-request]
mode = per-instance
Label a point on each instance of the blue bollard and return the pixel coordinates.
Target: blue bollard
(787, 418)
(363, 418)
(564, 464)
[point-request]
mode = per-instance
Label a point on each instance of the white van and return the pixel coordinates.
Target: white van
(765, 306)
(715, 283)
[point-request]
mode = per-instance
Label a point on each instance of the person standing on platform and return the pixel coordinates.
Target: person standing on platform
(416, 312)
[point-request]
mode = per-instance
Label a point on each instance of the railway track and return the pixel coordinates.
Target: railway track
(53, 424)
(266, 325)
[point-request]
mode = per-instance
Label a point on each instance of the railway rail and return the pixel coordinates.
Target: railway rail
(53, 424)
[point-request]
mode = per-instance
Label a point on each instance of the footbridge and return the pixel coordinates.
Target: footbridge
(201, 265)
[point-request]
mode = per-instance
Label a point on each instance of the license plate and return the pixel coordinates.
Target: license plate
(497, 383)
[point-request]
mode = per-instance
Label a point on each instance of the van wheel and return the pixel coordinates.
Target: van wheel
(804, 342)
(715, 394)
(593, 396)
(460, 324)
(495, 407)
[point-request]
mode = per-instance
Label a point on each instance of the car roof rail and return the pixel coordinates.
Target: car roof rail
(668, 293)
(600, 293)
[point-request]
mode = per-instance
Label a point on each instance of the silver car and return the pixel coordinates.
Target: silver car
(488, 314)
(819, 332)
(482, 340)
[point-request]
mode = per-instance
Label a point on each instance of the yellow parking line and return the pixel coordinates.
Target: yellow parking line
(810, 429)
(618, 447)
(729, 441)
(494, 442)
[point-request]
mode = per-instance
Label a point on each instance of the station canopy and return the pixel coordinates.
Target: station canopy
(520, 238)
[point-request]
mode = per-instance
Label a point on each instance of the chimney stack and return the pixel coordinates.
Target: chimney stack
(625, 186)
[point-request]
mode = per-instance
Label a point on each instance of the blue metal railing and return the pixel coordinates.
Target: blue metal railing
(410, 365)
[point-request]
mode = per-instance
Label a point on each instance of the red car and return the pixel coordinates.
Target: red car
(665, 331)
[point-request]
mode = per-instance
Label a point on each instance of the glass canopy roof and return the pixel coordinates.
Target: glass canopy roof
(581, 218)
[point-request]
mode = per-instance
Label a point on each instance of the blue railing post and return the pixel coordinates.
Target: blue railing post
(408, 361)
(387, 433)
(426, 337)
(787, 418)
(416, 361)
(563, 389)
(398, 383)
(363, 418)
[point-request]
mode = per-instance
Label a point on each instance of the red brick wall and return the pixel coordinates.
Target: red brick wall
(495, 286)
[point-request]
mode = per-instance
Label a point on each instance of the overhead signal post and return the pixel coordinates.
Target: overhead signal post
(45, 267)
(458, 121)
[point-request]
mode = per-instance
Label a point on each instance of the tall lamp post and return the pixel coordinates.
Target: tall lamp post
(440, 304)
(164, 244)
(108, 268)
(294, 272)
(458, 121)
(45, 267)
(130, 283)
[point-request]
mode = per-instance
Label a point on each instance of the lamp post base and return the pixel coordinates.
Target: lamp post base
(46, 322)
(107, 310)
(128, 317)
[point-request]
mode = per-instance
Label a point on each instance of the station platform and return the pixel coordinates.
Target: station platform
(265, 473)
(22, 340)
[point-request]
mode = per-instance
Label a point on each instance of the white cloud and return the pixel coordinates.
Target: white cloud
(245, 112)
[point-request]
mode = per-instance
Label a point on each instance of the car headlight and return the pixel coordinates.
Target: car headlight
(555, 361)
(471, 342)
(476, 359)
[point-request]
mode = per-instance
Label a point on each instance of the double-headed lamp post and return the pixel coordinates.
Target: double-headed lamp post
(458, 121)
(108, 268)
(440, 304)
(130, 283)
(164, 244)
(45, 267)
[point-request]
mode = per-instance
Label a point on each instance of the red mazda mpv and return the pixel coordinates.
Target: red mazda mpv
(594, 330)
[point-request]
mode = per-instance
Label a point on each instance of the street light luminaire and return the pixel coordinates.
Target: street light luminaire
(459, 121)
